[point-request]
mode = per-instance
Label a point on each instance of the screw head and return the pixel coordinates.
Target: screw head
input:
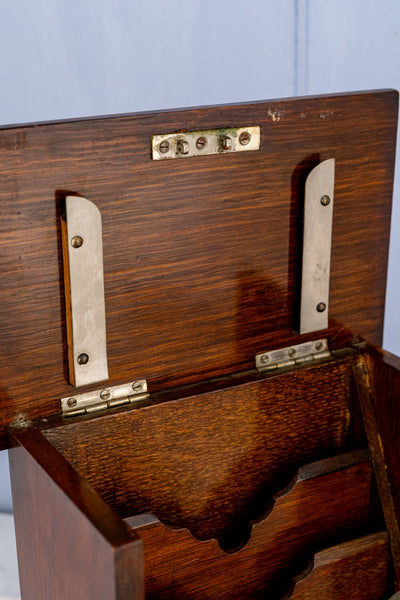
(105, 394)
(164, 147)
(137, 387)
(182, 147)
(264, 358)
(72, 402)
(321, 307)
(325, 200)
(319, 346)
(76, 241)
(225, 142)
(83, 359)
(244, 138)
(292, 352)
(201, 143)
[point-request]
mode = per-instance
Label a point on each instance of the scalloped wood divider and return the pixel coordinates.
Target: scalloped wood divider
(354, 570)
(326, 500)
(208, 461)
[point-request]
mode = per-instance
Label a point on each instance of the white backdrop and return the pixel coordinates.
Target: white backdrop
(64, 58)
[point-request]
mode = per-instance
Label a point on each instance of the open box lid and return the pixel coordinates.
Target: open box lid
(201, 254)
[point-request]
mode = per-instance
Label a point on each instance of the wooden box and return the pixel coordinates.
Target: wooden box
(222, 481)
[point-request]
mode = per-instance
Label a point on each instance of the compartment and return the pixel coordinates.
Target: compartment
(210, 459)
(326, 501)
(354, 570)
(231, 487)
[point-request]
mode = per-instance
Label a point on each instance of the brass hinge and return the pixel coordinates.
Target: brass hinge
(292, 355)
(110, 397)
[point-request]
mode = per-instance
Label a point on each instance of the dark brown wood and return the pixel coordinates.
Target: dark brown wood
(384, 373)
(379, 461)
(202, 262)
(201, 256)
(70, 544)
(324, 501)
(210, 462)
(355, 570)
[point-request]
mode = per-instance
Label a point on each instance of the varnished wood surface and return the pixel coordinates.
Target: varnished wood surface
(71, 545)
(200, 255)
(374, 436)
(384, 373)
(325, 500)
(211, 462)
(355, 570)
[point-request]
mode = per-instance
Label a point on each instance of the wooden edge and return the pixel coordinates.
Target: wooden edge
(331, 557)
(67, 295)
(78, 491)
(352, 547)
(187, 392)
(305, 473)
(376, 353)
(330, 465)
(391, 359)
(378, 461)
(356, 93)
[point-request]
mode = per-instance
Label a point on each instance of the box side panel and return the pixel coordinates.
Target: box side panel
(61, 553)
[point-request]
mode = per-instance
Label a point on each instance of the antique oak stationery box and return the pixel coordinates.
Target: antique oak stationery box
(192, 390)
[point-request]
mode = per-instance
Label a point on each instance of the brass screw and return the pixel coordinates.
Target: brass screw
(76, 241)
(325, 200)
(164, 147)
(83, 359)
(319, 346)
(292, 352)
(321, 306)
(137, 387)
(244, 138)
(105, 394)
(264, 358)
(225, 142)
(72, 402)
(182, 147)
(201, 143)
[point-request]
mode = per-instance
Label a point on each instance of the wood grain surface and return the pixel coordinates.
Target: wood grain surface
(381, 379)
(326, 500)
(354, 570)
(374, 436)
(211, 462)
(70, 544)
(384, 374)
(201, 256)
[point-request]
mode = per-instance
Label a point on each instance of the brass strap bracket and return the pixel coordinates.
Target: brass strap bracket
(317, 240)
(84, 292)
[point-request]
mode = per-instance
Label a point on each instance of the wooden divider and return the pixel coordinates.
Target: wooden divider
(207, 461)
(355, 570)
(326, 500)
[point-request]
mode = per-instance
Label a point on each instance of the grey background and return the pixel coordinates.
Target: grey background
(61, 59)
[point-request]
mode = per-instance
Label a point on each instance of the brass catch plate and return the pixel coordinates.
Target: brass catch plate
(202, 143)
